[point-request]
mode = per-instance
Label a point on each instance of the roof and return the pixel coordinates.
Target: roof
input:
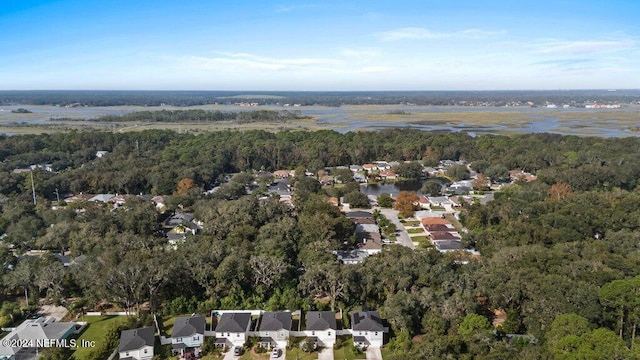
(187, 326)
(435, 221)
(38, 329)
(367, 228)
(321, 320)
(439, 227)
(102, 197)
(276, 321)
(443, 235)
(233, 322)
(448, 245)
(137, 338)
(359, 214)
(351, 256)
(367, 321)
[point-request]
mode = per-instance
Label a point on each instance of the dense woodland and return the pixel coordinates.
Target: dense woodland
(327, 98)
(560, 255)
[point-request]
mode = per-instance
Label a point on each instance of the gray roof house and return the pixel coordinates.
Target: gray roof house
(188, 335)
(43, 328)
(233, 328)
(274, 329)
(367, 328)
(137, 343)
(321, 327)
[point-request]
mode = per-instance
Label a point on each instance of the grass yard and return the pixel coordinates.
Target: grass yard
(95, 331)
(415, 231)
(411, 222)
(251, 355)
(295, 353)
(420, 238)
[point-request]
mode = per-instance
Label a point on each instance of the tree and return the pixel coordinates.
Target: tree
(431, 188)
(343, 175)
(497, 172)
(474, 326)
(324, 280)
(480, 183)
(184, 185)
(566, 324)
(411, 170)
(559, 192)
(405, 203)
(357, 200)
(267, 270)
(458, 172)
(385, 200)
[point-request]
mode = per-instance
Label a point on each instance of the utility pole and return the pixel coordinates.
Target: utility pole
(33, 188)
(58, 195)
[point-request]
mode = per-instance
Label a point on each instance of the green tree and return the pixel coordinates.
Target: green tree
(357, 200)
(431, 188)
(385, 200)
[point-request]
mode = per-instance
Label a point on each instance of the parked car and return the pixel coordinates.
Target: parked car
(237, 351)
(276, 353)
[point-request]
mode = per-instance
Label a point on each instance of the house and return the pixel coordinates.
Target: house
(101, 153)
(423, 202)
(369, 167)
(78, 198)
(233, 329)
(103, 198)
(161, 203)
(41, 332)
(188, 335)
(67, 261)
(351, 257)
(382, 165)
(321, 327)
(388, 174)
(448, 245)
(359, 177)
(137, 344)
(282, 174)
(359, 214)
(367, 329)
(274, 329)
(356, 168)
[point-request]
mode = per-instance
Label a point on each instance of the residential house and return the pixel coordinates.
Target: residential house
(78, 198)
(351, 257)
(359, 177)
(188, 335)
(161, 203)
(274, 329)
(367, 329)
(382, 165)
(423, 202)
(40, 331)
(101, 153)
(321, 326)
(433, 172)
(137, 344)
(103, 198)
(233, 328)
(388, 174)
(448, 245)
(369, 167)
(356, 168)
(282, 174)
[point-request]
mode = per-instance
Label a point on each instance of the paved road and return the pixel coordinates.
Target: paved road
(327, 354)
(403, 239)
(374, 353)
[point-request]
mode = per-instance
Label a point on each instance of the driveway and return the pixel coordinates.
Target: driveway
(229, 355)
(326, 354)
(374, 353)
(402, 239)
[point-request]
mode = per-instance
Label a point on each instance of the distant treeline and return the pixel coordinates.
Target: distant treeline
(205, 116)
(196, 98)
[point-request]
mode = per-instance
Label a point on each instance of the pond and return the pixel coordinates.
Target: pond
(396, 187)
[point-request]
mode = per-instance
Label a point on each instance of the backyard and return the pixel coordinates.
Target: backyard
(97, 327)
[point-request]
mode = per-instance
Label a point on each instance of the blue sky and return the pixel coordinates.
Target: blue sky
(319, 45)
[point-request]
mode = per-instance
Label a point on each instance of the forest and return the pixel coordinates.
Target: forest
(559, 255)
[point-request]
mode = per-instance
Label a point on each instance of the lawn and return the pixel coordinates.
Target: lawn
(411, 222)
(95, 331)
(251, 355)
(295, 353)
(420, 238)
(415, 231)
(347, 352)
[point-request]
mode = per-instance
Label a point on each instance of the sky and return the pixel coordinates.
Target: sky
(323, 45)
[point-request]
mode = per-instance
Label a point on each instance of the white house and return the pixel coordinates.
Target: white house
(233, 328)
(367, 328)
(137, 344)
(321, 327)
(274, 329)
(188, 335)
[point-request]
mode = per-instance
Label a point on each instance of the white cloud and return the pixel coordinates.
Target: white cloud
(418, 33)
(375, 69)
(244, 61)
(584, 47)
(289, 8)
(360, 53)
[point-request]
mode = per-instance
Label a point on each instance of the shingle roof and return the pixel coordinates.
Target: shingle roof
(321, 320)
(136, 338)
(233, 322)
(187, 326)
(276, 321)
(366, 321)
